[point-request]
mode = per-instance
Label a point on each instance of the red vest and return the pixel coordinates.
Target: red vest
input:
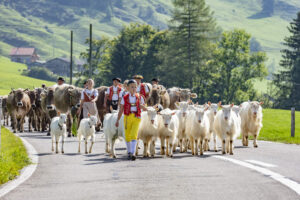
(86, 97)
(143, 91)
(127, 105)
(111, 92)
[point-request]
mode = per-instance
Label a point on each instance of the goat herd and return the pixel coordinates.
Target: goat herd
(171, 116)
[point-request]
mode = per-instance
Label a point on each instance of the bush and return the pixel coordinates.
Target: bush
(40, 73)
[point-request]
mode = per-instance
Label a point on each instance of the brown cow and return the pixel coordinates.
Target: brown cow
(18, 105)
(40, 115)
(4, 110)
(159, 95)
(48, 106)
(66, 97)
(178, 95)
(31, 114)
(99, 103)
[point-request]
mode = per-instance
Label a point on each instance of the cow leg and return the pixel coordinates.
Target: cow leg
(52, 138)
(223, 144)
(14, 123)
(152, 148)
(196, 147)
(112, 148)
(79, 141)
(180, 145)
(230, 149)
(29, 123)
(145, 149)
(22, 121)
(56, 141)
(92, 143)
(172, 146)
(192, 145)
(215, 141)
(70, 125)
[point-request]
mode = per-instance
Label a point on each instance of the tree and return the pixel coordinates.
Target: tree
(236, 67)
(130, 51)
(288, 79)
(192, 29)
(100, 61)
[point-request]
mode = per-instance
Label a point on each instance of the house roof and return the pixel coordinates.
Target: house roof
(67, 60)
(22, 51)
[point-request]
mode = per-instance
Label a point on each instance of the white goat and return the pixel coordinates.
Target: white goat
(226, 126)
(87, 130)
(251, 120)
(58, 129)
(197, 129)
(183, 110)
(168, 131)
(211, 113)
(148, 131)
(112, 133)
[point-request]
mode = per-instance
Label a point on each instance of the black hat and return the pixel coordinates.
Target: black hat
(131, 81)
(138, 77)
(61, 79)
(118, 79)
(155, 79)
(84, 82)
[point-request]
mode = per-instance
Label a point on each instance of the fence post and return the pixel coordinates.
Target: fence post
(293, 122)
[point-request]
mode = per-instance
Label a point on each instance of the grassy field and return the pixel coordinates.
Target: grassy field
(13, 156)
(10, 77)
(277, 126)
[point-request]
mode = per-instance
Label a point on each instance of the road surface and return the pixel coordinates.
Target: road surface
(97, 176)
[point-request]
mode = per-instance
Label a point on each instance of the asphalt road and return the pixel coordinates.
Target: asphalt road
(97, 176)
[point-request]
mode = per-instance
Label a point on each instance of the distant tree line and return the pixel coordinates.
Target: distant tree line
(193, 53)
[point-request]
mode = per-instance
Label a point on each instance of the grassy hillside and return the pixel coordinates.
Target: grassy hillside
(13, 156)
(10, 77)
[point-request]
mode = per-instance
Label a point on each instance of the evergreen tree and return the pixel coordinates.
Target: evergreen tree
(192, 28)
(288, 79)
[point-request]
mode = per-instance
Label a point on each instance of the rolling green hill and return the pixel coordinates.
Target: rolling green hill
(46, 24)
(10, 77)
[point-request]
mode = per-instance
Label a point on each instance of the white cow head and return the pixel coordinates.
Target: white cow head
(199, 114)
(62, 118)
(152, 113)
(92, 120)
(213, 107)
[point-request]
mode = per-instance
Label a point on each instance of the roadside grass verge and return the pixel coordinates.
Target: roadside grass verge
(13, 156)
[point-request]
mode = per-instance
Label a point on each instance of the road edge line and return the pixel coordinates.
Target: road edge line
(25, 173)
(295, 186)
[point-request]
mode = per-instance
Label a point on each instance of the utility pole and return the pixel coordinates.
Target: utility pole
(0, 119)
(90, 52)
(71, 58)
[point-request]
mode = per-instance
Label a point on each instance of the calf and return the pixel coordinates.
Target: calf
(4, 110)
(183, 110)
(178, 95)
(211, 113)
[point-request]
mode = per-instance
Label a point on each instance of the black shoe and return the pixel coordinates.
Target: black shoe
(133, 157)
(129, 156)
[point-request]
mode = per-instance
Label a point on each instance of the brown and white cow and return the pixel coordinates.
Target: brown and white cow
(159, 95)
(66, 97)
(100, 102)
(178, 95)
(18, 105)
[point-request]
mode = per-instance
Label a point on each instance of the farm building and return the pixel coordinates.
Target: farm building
(61, 66)
(23, 55)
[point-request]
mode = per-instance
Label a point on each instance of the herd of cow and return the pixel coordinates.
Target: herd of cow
(41, 105)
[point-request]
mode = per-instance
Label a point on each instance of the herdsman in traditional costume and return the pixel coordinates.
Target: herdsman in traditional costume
(89, 96)
(112, 94)
(142, 88)
(131, 105)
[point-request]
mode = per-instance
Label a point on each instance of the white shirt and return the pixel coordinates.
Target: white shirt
(89, 93)
(138, 89)
(56, 85)
(132, 99)
(123, 93)
(115, 96)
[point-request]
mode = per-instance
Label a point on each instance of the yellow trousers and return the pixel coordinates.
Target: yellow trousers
(131, 124)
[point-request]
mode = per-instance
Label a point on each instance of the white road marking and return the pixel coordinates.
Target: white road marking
(25, 173)
(263, 164)
(278, 177)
